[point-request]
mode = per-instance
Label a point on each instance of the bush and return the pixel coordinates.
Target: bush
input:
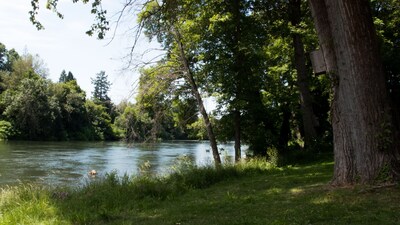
(6, 130)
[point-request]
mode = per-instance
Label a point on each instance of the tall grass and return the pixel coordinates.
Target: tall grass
(102, 198)
(28, 204)
(251, 192)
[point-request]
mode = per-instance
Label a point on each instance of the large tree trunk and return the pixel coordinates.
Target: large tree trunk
(309, 119)
(190, 79)
(361, 117)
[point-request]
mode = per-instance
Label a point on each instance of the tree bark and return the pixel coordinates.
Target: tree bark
(284, 132)
(190, 79)
(361, 117)
(238, 66)
(323, 27)
(309, 119)
(237, 118)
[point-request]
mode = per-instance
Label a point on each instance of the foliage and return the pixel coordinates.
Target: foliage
(38, 109)
(234, 61)
(72, 119)
(100, 121)
(197, 130)
(241, 52)
(135, 125)
(6, 130)
(165, 98)
(64, 77)
(100, 93)
(156, 87)
(31, 110)
(99, 27)
(7, 57)
(386, 18)
(101, 87)
(22, 68)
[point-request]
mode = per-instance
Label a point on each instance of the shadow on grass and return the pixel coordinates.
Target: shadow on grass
(284, 197)
(233, 195)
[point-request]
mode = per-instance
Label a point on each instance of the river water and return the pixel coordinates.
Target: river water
(68, 163)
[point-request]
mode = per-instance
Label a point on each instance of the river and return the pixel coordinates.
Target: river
(68, 163)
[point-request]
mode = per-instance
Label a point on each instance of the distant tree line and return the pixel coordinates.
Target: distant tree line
(32, 107)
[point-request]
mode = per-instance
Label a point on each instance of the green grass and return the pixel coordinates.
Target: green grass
(250, 193)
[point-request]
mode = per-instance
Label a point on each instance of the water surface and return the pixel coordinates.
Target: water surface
(68, 163)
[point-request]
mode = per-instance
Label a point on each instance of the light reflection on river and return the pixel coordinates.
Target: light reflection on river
(67, 163)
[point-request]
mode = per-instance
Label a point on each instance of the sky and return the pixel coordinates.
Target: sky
(64, 45)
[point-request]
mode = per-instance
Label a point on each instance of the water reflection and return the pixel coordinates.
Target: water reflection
(68, 163)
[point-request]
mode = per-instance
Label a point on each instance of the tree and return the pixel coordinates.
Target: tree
(70, 76)
(230, 52)
(21, 68)
(3, 59)
(135, 124)
(100, 27)
(166, 21)
(100, 121)
(100, 94)
(72, 120)
(154, 100)
(6, 130)
(64, 77)
(307, 112)
(31, 110)
(101, 87)
(387, 20)
(167, 101)
(7, 57)
(27, 101)
(363, 132)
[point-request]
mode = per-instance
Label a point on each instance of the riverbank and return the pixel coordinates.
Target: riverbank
(68, 163)
(250, 193)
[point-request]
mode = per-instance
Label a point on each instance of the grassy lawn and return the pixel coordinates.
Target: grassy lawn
(255, 193)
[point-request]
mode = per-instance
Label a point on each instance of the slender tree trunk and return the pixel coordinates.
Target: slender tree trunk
(309, 119)
(284, 132)
(238, 65)
(361, 116)
(189, 78)
(237, 118)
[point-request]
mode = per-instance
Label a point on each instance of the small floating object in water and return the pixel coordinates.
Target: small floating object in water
(207, 150)
(222, 149)
(93, 173)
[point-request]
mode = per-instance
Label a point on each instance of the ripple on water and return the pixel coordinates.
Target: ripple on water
(67, 163)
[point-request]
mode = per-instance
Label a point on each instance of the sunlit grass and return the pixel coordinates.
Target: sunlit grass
(253, 192)
(27, 204)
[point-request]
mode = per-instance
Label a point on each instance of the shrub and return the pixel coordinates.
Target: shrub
(6, 130)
